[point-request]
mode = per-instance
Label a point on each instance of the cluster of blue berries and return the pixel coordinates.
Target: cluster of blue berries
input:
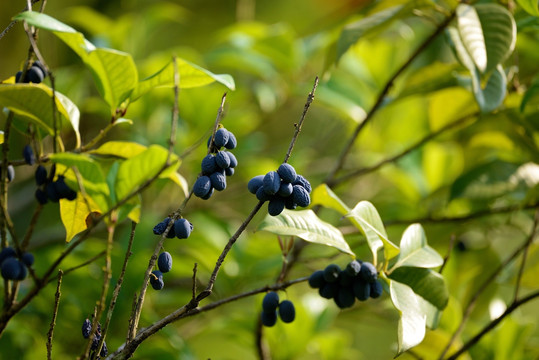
(164, 263)
(217, 165)
(181, 229)
(359, 280)
(14, 267)
(86, 329)
(270, 304)
(283, 188)
(35, 74)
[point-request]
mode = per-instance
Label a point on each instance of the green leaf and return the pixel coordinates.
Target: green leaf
(355, 31)
(307, 226)
(191, 76)
(499, 31)
(114, 71)
(471, 33)
(33, 102)
(92, 176)
(365, 217)
(412, 319)
(140, 168)
(323, 195)
(121, 149)
(530, 6)
(532, 91)
(74, 214)
(1, 137)
(414, 250)
(487, 180)
(427, 283)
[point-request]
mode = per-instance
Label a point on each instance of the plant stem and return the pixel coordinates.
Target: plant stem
(54, 315)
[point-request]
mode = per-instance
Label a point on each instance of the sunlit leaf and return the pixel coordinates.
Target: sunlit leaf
(499, 31)
(414, 250)
(323, 195)
(140, 168)
(426, 283)
(530, 6)
(412, 319)
(114, 71)
(191, 75)
(365, 217)
(471, 33)
(74, 214)
(307, 226)
(121, 149)
(353, 32)
(33, 102)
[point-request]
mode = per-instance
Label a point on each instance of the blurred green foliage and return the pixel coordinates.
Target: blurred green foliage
(274, 50)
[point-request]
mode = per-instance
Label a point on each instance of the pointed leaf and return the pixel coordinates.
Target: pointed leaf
(365, 217)
(140, 168)
(33, 103)
(532, 91)
(191, 75)
(471, 33)
(414, 250)
(355, 31)
(412, 319)
(492, 96)
(74, 214)
(323, 195)
(499, 31)
(121, 149)
(426, 283)
(307, 226)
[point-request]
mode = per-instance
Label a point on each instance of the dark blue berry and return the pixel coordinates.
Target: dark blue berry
(156, 280)
(345, 298)
(287, 312)
(289, 203)
(86, 328)
(208, 195)
(345, 279)
(221, 137)
(262, 195)
(208, 164)
(376, 289)
(52, 193)
(35, 75)
(232, 142)
(218, 180)
(300, 180)
(271, 182)
(164, 262)
(255, 183)
(362, 289)
(368, 272)
(27, 258)
(316, 280)
(6, 253)
(269, 318)
(38, 64)
(159, 229)
(182, 228)
(41, 196)
(41, 175)
(202, 186)
(63, 190)
(232, 158)
(10, 269)
(28, 155)
(287, 173)
(331, 273)
(275, 206)
(229, 171)
(329, 290)
(301, 196)
(353, 268)
(22, 271)
(285, 189)
(104, 350)
(222, 159)
(270, 302)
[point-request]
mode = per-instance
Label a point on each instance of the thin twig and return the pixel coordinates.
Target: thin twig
(514, 305)
(31, 227)
(471, 304)
(216, 123)
(524, 257)
(310, 98)
(194, 286)
(449, 250)
(380, 99)
(12, 23)
(406, 151)
(81, 265)
(54, 315)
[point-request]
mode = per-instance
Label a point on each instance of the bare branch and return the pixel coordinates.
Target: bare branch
(54, 315)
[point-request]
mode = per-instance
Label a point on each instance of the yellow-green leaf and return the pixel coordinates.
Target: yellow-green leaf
(74, 214)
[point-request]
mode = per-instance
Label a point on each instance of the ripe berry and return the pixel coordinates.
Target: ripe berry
(316, 280)
(229, 171)
(10, 269)
(362, 289)
(6, 253)
(345, 279)
(41, 196)
(376, 289)
(156, 280)
(331, 273)
(287, 312)
(41, 175)
(86, 328)
(269, 318)
(164, 262)
(353, 268)
(63, 190)
(38, 64)
(221, 137)
(287, 173)
(232, 158)
(300, 180)
(329, 290)
(218, 180)
(232, 142)
(289, 203)
(275, 206)
(104, 351)
(182, 228)
(255, 183)
(222, 160)
(270, 302)
(262, 195)
(51, 192)
(159, 229)
(208, 164)
(208, 195)
(22, 271)
(285, 189)
(271, 182)
(35, 75)
(28, 155)
(202, 186)
(368, 272)
(345, 298)
(28, 259)
(301, 196)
